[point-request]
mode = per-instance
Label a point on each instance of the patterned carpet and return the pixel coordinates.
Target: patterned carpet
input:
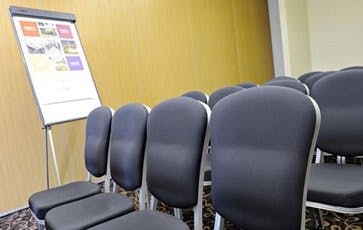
(332, 221)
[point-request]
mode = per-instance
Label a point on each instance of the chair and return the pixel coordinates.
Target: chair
(96, 150)
(339, 187)
(316, 77)
(127, 144)
(247, 85)
(221, 93)
(301, 87)
(197, 95)
(284, 78)
(177, 142)
(305, 76)
(262, 143)
(353, 67)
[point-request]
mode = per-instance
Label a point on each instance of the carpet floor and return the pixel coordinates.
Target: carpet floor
(23, 219)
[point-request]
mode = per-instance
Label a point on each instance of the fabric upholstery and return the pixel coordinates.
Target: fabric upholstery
(175, 137)
(261, 140)
(98, 129)
(316, 77)
(288, 83)
(277, 78)
(197, 95)
(339, 97)
(88, 212)
(127, 146)
(247, 85)
(143, 220)
(337, 185)
(305, 76)
(41, 202)
(353, 67)
(221, 93)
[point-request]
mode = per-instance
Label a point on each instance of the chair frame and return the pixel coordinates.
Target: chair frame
(219, 221)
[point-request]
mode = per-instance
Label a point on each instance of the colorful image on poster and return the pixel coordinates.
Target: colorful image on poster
(55, 55)
(30, 29)
(40, 63)
(74, 63)
(35, 45)
(47, 29)
(69, 47)
(64, 31)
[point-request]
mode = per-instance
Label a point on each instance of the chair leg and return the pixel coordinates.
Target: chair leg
(41, 226)
(41, 223)
(143, 198)
(198, 217)
(153, 203)
(319, 157)
(218, 222)
(115, 187)
(178, 213)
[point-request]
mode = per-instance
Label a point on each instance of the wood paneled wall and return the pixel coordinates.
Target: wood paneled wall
(138, 50)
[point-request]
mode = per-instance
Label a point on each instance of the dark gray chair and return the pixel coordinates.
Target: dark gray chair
(353, 68)
(301, 87)
(339, 187)
(197, 95)
(262, 143)
(247, 85)
(221, 93)
(127, 147)
(284, 78)
(177, 143)
(305, 76)
(316, 77)
(96, 151)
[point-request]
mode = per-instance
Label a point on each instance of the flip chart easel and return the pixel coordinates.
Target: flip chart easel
(57, 69)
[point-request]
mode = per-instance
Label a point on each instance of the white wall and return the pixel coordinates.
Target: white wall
(336, 33)
(318, 34)
(290, 36)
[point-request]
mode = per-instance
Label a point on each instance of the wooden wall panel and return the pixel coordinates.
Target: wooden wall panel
(215, 43)
(138, 50)
(163, 48)
(254, 41)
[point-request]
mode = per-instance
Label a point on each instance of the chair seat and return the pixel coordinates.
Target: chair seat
(144, 220)
(336, 184)
(41, 202)
(88, 212)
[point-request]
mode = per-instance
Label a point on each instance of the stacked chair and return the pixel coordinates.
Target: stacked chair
(177, 143)
(262, 143)
(221, 93)
(247, 85)
(353, 67)
(339, 187)
(316, 77)
(277, 78)
(305, 76)
(96, 154)
(197, 95)
(127, 144)
(301, 87)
